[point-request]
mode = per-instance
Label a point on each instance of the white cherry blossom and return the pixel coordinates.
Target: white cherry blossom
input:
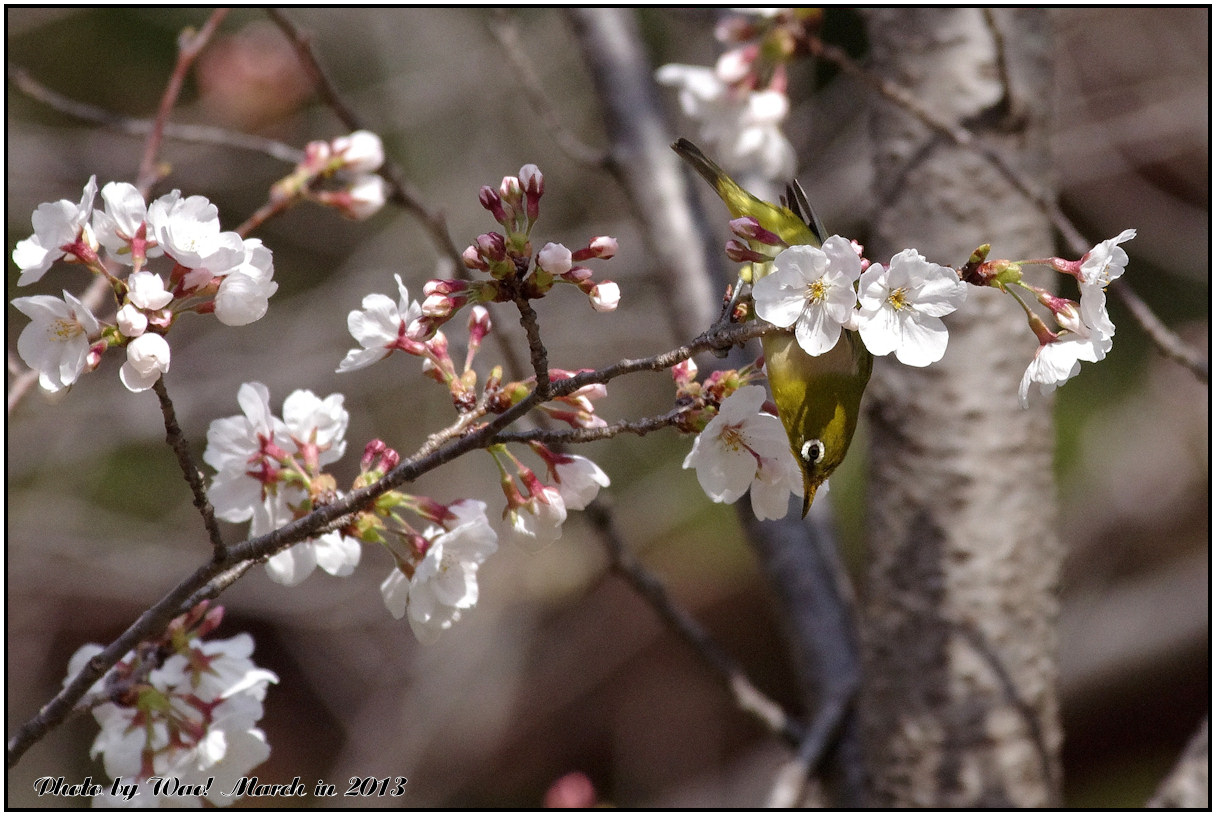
(56, 224)
(56, 342)
(811, 289)
(901, 306)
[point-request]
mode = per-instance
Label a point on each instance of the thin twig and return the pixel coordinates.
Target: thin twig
(439, 450)
(1165, 339)
(402, 192)
(173, 435)
(792, 776)
(747, 697)
(540, 355)
(190, 44)
(505, 30)
(194, 134)
(574, 436)
(1167, 342)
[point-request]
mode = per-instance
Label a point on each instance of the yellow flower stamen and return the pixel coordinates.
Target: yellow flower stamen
(816, 292)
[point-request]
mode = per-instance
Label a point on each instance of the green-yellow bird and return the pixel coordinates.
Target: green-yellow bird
(818, 398)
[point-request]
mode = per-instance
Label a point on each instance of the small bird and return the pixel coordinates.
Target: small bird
(818, 398)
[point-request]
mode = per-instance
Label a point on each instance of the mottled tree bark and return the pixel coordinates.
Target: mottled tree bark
(959, 705)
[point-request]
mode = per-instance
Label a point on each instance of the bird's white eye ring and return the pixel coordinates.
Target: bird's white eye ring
(812, 451)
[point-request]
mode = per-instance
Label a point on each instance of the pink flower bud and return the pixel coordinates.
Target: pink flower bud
(371, 452)
(437, 305)
(367, 196)
(511, 191)
(493, 247)
(534, 187)
(554, 259)
(316, 155)
(93, 359)
(439, 286)
(602, 247)
(532, 180)
(740, 252)
(577, 274)
(472, 259)
(749, 229)
(605, 296)
(492, 201)
(361, 151)
(479, 322)
(684, 373)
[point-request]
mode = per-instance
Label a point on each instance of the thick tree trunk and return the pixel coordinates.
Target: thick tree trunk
(959, 704)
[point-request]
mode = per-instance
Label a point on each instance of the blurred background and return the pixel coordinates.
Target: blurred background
(561, 667)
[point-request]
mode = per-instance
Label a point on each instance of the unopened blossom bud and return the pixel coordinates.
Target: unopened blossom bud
(472, 259)
(367, 197)
(316, 155)
(493, 246)
(512, 193)
(479, 324)
(533, 183)
(441, 286)
(532, 180)
(211, 620)
(147, 359)
(93, 358)
(554, 259)
(577, 274)
(438, 346)
(438, 305)
(364, 197)
(361, 151)
(749, 229)
(131, 321)
(740, 252)
(605, 296)
(371, 452)
(684, 373)
(492, 201)
(602, 247)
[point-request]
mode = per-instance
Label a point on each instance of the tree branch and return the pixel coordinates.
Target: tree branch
(195, 134)
(441, 448)
(190, 45)
(403, 193)
(173, 435)
(747, 697)
(1166, 340)
(506, 32)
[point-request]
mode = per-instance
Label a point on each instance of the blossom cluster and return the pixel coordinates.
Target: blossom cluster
(269, 471)
(209, 270)
(514, 270)
(895, 308)
(341, 174)
(179, 717)
(740, 104)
